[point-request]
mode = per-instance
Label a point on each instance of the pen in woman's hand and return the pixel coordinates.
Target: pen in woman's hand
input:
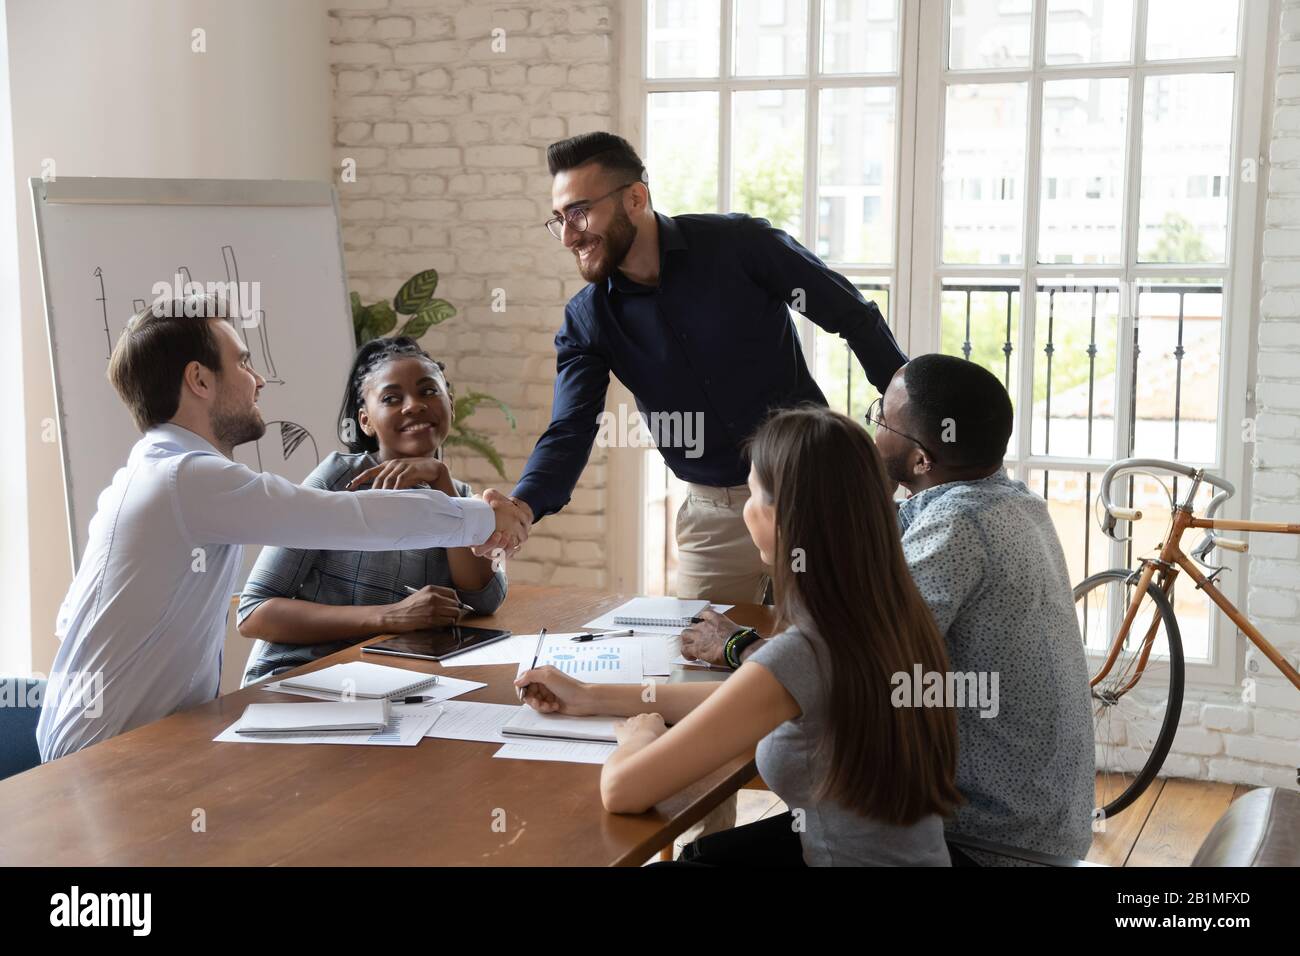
(540, 638)
(464, 608)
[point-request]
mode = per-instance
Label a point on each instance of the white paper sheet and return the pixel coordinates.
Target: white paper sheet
(462, 720)
(616, 660)
(405, 729)
(563, 751)
(657, 652)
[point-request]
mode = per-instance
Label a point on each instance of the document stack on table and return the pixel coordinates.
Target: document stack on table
(364, 703)
(373, 722)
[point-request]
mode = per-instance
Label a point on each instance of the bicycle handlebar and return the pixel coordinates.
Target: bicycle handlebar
(1114, 513)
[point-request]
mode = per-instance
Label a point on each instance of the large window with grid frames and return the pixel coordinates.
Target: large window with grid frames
(1091, 232)
(791, 110)
(1061, 190)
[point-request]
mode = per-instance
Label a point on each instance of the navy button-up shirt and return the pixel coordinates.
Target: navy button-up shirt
(714, 341)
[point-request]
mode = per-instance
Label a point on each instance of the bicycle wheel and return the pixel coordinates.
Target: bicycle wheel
(1133, 726)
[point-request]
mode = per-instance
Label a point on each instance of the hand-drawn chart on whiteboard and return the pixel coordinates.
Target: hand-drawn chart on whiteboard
(271, 249)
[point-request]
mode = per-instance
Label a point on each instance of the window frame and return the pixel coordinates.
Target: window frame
(917, 272)
(1237, 272)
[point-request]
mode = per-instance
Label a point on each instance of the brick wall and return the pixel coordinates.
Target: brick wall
(448, 124)
(1260, 742)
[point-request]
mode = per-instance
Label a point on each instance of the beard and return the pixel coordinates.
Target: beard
(896, 468)
(237, 426)
(617, 240)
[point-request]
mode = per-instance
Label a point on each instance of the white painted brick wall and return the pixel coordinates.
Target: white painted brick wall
(449, 138)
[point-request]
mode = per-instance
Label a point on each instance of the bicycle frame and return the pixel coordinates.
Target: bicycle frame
(1171, 558)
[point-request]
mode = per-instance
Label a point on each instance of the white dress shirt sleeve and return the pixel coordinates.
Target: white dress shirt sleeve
(219, 501)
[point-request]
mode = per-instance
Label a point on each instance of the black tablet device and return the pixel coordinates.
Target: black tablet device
(438, 644)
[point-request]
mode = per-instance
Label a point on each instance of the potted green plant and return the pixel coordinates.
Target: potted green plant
(416, 301)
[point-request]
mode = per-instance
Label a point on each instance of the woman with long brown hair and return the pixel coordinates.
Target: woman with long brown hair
(866, 783)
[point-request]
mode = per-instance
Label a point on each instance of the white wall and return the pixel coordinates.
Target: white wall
(114, 88)
(15, 649)
(1268, 748)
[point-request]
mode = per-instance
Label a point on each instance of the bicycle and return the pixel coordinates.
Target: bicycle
(1154, 657)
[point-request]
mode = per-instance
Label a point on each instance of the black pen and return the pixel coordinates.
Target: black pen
(583, 638)
(540, 637)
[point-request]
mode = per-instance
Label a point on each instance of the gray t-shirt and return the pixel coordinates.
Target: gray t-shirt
(789, 762)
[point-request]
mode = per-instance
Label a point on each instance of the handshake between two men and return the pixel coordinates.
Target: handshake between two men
(514, 517)
(514, 521)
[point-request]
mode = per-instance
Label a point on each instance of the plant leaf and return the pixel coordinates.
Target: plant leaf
(434, 312)
(461, 437)
(468, 403)
(416, 291)
(381, 318)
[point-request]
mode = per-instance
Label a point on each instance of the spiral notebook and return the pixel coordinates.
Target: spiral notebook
(529, 723)
(362, 680)
(659, 612)
(318, 718)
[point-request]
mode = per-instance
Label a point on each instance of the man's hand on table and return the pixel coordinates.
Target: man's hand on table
(705, 641)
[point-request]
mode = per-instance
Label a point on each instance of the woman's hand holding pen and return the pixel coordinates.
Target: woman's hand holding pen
(550, 691)
(431, 606)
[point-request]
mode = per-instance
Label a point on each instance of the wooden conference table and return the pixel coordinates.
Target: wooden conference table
(138, 798)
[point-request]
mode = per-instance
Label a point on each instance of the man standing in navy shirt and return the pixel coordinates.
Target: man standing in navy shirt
(692, 313)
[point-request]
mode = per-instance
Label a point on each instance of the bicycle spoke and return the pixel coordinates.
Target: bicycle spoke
(1133, 710)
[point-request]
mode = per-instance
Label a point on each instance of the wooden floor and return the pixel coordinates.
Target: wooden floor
(1166, 825)
(1163, 828)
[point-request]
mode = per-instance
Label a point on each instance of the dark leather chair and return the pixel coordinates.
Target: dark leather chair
(1260, 828)
(18, 724)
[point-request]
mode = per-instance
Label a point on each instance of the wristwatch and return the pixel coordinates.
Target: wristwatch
(736, 644)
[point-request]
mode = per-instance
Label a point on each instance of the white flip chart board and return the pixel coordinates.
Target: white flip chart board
(106, 243)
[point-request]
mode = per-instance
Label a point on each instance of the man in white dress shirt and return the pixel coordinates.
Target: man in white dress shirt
(143, 625)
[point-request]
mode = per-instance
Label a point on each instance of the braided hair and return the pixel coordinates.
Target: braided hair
(369, 359)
